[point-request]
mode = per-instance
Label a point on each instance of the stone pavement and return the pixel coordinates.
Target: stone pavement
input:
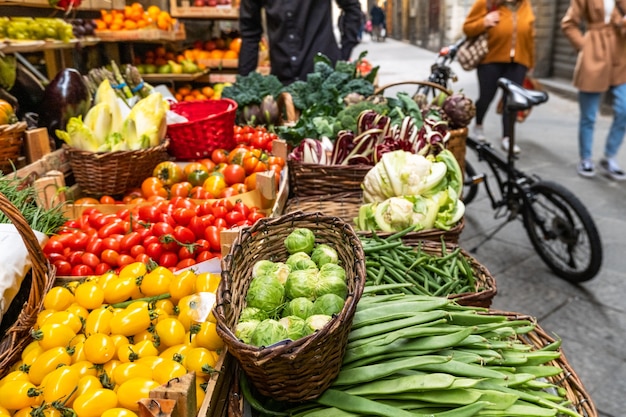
(590, 318)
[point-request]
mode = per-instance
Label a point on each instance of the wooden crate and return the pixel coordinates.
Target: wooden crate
(185, 9)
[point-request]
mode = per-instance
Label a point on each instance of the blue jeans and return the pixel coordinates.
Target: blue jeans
(589, 104)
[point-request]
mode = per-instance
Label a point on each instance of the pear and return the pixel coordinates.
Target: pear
(189, 67)
(176, 67)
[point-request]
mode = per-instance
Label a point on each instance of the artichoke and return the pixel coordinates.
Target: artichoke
(459, 109)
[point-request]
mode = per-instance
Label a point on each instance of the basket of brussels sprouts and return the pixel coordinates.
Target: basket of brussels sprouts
(289, 290)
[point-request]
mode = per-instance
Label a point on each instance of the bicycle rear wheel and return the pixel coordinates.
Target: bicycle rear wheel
(563, 232)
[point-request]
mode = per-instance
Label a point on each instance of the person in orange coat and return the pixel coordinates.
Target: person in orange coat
(510, 26)
(600, 67)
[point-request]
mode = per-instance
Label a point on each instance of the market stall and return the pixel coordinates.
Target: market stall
(249, 248)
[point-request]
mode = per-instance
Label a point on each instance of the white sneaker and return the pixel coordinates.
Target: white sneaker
(505, 146)
(586, 168)
(612, 170)
(478, 133)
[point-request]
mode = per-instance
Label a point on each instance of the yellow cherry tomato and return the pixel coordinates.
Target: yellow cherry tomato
(79, 311)
(133, 271)
(176, 353)
(119, 412)
(77, 352)
(58, 298)
(95, 402)
(13, 376)
(89, 294)
(66, 318)
(43, 316)
(166, 305)
(119, 289)
(200, 391)
(156, 282)
(99, 348)
(85, 368)
(108, 368)
(131, 320)
(171, 332)
(147, 334)
(47, 362)
(98, 321)
(87, 383)
(125, 371)
(207, 336)
(31, 351)
(4, 412)
(133, 390)
(207, 282)
(200, 360)
(52, 335)
(166, 370)
(145, 348)
(119, 340)
(126, 353)
(182, 285)
(17, 394)
(151, 361)
(59, 384)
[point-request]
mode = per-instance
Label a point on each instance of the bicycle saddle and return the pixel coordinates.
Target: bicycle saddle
(520, 98)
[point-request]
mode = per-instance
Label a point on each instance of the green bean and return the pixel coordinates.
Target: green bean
(356, 404)
(457, 368)
(433, 381)
(430, 317)
(410, 333)
(371, 372)
(394, 311)
(447, 397)
(327, 412)
(369, 248)
(374, 289)
(472, 319)
(254, 403)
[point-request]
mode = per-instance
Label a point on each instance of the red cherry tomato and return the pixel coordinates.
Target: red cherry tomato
(81, 270)
(184, 234)
(130, 240)
(63, 268)
(168, 259)
(183, 215)
(90, 260)
(212, 235)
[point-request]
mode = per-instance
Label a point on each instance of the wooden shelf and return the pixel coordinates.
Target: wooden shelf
(9, 46)
(86, 4)
(185, 10)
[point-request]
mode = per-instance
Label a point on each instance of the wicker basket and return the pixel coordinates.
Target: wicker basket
(485, 283)
(318, 180)
(41, 278)
(11, 143)
(113, 173)
(302, 369)
(346, 206)
(568, 379)
(211, 126)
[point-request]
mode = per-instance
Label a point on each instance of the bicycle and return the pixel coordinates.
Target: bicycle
(559, 226)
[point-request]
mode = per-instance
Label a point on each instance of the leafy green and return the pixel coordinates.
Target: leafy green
(251, 88)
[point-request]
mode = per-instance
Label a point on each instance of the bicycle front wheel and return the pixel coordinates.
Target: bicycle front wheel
(563, 232)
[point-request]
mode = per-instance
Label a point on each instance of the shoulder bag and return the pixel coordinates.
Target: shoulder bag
(473, 50)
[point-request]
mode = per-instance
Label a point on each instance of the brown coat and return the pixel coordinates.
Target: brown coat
(515, 31)
(601, 49)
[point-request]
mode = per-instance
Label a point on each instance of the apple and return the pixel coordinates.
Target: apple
(209, 45)
(198, 3)
(211, 3)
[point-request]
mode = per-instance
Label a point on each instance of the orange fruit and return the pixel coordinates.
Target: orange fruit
(130, 24)
(160, 51)
(230, 55)
(116, 26)
(128, 11)
(142, 23)
(217, 54)
(101, 24)
(207, 91)
(107, 19)
(184, 90)
(235, 45)
(153, 11)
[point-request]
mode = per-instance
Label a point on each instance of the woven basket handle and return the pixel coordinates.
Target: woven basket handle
(379, 90)
(13, 128)
(41, 282)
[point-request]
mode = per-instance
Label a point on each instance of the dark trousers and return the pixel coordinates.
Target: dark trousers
(488, 75)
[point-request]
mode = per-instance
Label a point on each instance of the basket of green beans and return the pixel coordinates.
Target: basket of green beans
(413, 355)
(427, 268)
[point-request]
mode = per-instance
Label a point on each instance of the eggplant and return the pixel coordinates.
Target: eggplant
(65, 97)
(269, 111)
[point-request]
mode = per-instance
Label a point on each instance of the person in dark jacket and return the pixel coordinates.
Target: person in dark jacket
(297, 31)
(377, 15)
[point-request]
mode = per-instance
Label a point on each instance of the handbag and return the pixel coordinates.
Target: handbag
(473, 50)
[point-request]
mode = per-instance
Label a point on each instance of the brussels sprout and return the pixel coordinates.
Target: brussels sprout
(245, 329)
(300, 307)
(301, 283)
(299, 261)
(262, 267)
(300, 240)
(267, 333)
(324, 254)
(266, 293)
(333, 269)
(252, 313)
(332, 280)
(279, 270)
(296, 327)
(327, 304)
(316, 322)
